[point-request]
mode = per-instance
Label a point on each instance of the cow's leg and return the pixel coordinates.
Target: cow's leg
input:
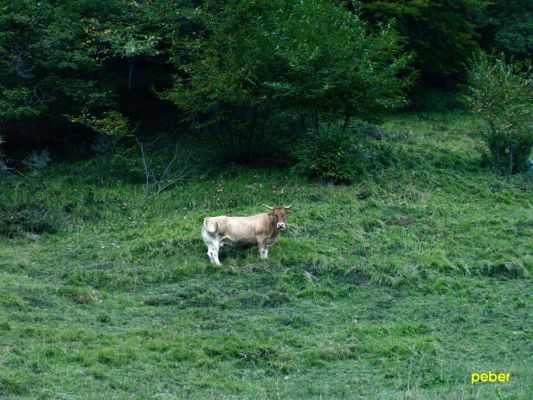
(209, 242)
(210, 254)
(263, 250)
(213, 253)
(215, 257)
(213, 246)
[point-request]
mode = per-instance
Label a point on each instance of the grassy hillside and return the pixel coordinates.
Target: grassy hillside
(396, 287)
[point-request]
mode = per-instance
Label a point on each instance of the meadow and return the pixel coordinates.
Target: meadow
(398, 286)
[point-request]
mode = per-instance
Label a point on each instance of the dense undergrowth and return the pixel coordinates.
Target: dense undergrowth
(397, 286)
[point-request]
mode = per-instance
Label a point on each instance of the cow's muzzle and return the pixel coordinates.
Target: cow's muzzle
(280, 225)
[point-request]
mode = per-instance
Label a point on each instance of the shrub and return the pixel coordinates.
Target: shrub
(501, 93)
(329, 154)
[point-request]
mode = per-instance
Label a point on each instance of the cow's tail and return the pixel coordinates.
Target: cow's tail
(210, 225)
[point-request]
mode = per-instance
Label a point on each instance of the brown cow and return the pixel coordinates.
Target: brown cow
(263, 229)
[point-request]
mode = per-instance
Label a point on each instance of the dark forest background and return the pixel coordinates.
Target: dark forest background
(80, 76)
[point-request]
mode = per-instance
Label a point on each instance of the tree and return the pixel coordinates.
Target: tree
(312, 58)
(441, 33)
(66, 64)
(47, 69)
(507, 26)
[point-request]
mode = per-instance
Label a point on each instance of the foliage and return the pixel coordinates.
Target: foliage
(502, 94)
(441, 33)
(16, 104)
(251, 74)
(47, 69)
(72, 61)
(331, 154)
(507, 26)
(312, 59)
(112, 124)
(428, 99)
(119, 137)
(373, 289)
(346, 154)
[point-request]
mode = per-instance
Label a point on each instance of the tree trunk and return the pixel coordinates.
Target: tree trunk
(302, 121)
(315, 121)
(346, 122)
(130, 73)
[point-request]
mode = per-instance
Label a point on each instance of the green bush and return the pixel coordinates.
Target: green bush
(501, 94)
(329, 154)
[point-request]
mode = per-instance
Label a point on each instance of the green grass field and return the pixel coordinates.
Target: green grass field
(398, 286)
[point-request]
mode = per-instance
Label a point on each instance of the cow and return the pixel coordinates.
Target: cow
(261, 229)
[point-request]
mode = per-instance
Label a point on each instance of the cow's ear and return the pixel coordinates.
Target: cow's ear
(288, 211)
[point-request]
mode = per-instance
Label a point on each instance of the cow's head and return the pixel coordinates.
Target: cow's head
(280, 213)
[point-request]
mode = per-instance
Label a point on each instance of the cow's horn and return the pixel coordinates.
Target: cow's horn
(268, 207)
(289, 206)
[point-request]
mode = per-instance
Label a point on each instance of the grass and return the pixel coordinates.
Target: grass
(396, 287)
